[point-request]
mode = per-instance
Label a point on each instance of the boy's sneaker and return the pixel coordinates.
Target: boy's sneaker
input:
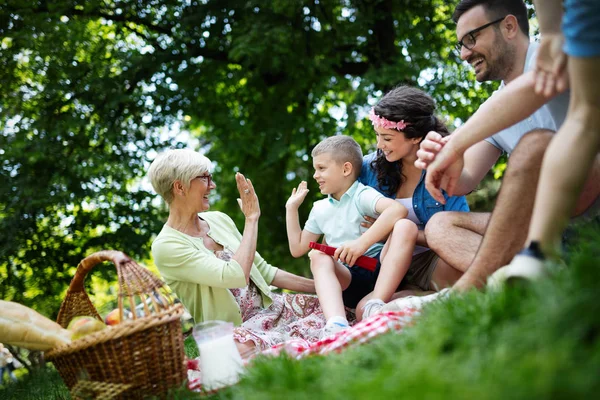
(333, 327)
(527, 265)
(372, 307)
(414, 301)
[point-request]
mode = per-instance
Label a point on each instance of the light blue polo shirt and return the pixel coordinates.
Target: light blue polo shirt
(340, 220)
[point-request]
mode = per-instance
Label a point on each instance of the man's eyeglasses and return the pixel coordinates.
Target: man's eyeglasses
(469, 40)
(206, 178)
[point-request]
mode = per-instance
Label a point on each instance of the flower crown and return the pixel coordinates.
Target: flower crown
(386, 123)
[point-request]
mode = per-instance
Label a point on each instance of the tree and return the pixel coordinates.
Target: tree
(90, 90)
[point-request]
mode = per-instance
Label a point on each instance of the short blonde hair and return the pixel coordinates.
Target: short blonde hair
(342, 149)
(176, 165)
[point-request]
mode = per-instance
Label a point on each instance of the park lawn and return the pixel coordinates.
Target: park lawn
(526, 342)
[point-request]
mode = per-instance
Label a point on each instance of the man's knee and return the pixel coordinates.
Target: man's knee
(437, 225)
(450, 225)
(437, 228)
(529, 152)
(441, 222)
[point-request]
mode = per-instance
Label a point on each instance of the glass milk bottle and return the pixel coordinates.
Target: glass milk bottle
(220, 361)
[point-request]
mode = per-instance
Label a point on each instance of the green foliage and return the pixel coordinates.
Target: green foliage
(43, 384)
(90, 91)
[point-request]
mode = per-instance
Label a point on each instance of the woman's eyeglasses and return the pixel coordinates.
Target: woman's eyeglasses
(206, 178)
(469, 40)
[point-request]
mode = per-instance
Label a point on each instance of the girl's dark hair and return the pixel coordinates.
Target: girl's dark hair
(414, 107)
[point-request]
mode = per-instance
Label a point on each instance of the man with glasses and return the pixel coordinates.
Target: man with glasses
(493, 37)
(470, 39)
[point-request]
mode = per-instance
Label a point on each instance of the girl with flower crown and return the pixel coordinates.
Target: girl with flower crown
(402, 119)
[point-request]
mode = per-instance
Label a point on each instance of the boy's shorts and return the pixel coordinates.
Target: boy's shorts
(363, 281)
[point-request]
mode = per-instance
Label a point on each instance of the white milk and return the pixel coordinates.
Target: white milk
(220, 362)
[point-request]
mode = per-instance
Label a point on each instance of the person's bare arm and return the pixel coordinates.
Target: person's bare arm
(289, 281)
(551, 73)
(517, 101)
(479, 159)
(248, 202)
(298, 239)
(390, 211)
(458, 174)
(549, 15)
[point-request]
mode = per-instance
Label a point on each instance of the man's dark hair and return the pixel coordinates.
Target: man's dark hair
(496, 9)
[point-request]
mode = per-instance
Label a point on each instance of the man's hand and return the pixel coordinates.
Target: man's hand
(444, 173)
(298, 195)
(429, 148)
(551, 75)
(350, 251)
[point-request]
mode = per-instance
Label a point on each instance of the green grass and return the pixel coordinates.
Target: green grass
(527, 342)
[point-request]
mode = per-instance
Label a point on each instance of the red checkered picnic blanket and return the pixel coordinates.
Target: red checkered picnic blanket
(298, 348)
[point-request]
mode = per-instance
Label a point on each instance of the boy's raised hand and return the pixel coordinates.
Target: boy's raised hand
(350, 251)
(298, 195)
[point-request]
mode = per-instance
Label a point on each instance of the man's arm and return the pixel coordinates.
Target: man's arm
(459, 174)
(506, 107)
(479, 159)
(515, 102)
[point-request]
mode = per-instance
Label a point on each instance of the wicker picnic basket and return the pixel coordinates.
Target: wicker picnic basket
(138, 357)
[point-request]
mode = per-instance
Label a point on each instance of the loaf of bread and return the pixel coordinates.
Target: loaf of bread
(21, 326)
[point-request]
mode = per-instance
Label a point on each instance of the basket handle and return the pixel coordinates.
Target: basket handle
(86, 265)
(76, 301)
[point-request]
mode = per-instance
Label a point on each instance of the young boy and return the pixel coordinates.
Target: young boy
(337, 161)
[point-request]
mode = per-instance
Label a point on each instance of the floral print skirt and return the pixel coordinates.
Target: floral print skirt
(290, 316)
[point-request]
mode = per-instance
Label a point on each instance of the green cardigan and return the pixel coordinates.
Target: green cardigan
(200, 279)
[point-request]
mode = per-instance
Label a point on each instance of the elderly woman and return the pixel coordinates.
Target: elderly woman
(215, 270)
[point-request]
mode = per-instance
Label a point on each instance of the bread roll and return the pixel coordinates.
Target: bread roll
(21, 326)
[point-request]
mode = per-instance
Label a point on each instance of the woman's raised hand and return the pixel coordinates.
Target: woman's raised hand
(298, 195)
(248, 200)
